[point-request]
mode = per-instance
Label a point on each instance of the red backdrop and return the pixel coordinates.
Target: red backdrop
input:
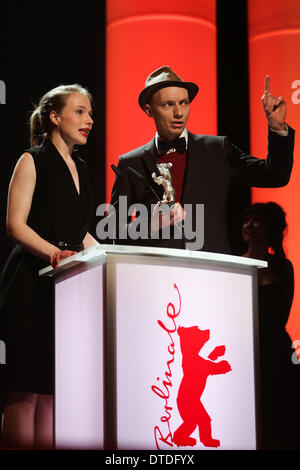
(142, 36)
(274, 40)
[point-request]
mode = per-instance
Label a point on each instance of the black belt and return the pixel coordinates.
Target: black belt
(67, 246)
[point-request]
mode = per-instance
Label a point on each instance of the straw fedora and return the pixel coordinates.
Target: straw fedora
(161, 78)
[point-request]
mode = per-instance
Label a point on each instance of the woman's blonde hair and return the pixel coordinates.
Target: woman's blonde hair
(54, 100)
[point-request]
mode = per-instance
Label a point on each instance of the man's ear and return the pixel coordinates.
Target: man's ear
(148, 110)
(54, 117)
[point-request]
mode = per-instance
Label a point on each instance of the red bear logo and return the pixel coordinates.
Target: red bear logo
(196, 369)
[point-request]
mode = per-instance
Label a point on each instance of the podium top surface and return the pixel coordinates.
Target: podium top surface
(97, 254)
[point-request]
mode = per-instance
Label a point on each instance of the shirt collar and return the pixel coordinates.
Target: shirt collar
(184, 134)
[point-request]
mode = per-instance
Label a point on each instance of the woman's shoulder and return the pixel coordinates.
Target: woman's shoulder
(283, 265)
(33, 150)
(34, 160)
(24, 168)
(37, 150)
(42, 155)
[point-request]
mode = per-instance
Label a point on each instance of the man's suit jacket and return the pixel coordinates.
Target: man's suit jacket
(212, 162)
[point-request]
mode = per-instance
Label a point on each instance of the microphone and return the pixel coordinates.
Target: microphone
(141, 177)
(131, 170)
(116, 170)
(112, 206)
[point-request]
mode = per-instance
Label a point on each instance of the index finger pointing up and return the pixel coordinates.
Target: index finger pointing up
(267, 84)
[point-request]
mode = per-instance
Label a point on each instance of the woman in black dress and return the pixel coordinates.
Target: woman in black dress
(263, 231)
(48, 216)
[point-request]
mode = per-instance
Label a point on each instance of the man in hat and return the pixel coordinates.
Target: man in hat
(202, 168)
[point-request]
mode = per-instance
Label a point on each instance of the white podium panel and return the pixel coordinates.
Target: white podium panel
(79, 359)
(155, 349)
(169, 382)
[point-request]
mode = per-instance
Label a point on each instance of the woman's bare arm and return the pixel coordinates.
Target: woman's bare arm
(20, 195)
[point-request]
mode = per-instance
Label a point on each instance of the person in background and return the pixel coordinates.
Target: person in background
(263, 232)
(50, 207)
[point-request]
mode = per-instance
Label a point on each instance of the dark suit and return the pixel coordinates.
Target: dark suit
(212, 163)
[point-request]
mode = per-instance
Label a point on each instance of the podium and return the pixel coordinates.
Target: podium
(155, 349)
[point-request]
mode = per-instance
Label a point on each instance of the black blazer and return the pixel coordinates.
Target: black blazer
(212, 163)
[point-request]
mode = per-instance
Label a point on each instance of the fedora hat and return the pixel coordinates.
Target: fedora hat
(161, 78)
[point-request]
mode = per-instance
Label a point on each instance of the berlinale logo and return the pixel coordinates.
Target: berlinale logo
(196, 370)
(2, 92)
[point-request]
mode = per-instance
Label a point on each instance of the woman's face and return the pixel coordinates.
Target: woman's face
(254, 230)
(75, 121)
(170, 110)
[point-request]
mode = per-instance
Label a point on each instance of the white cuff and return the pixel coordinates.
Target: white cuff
(284, 131)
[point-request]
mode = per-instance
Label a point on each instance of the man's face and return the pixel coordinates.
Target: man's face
(170, 109)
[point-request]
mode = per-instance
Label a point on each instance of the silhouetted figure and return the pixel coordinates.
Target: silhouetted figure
(263, 231)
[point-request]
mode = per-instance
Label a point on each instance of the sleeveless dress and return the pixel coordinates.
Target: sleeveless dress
(58, 214)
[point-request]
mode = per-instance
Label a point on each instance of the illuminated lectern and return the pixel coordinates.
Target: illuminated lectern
(155, 349)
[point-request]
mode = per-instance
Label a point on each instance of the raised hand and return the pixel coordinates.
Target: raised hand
(275, 108)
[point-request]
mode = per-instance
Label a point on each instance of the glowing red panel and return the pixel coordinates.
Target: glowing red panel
(274, 38)
(120, 9)
(141, 37)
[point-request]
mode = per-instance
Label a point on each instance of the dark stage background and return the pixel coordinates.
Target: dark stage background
(42, 47)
